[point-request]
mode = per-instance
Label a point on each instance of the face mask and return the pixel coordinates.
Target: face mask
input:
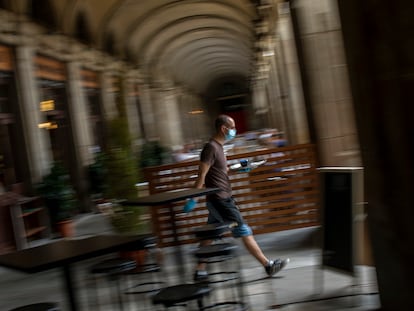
(231, 134)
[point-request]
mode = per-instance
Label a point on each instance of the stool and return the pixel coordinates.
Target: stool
(42, 306)
(113, 269)
(175, 296)
(221, 252)
(151, 268)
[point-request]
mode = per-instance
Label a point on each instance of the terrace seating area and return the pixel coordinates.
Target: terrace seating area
(302, 285)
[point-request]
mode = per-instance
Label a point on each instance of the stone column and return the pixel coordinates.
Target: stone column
(168, 119)
(277, 99)
(325, 81)
(195, 126)
(36, 140)
(259, 104)
(147, 109)
(81, 131)
(292, 101)
(187, 105)
(108, 96)
(79, 112)
(131, 98)
(206, 122)
(380, 56)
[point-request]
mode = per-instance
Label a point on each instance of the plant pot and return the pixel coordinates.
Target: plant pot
(66, 228)
(139, 256)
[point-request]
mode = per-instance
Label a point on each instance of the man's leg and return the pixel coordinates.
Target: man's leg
(254, 249)
(271, 266)
(201, 266)
(200, 273)
(214, 217)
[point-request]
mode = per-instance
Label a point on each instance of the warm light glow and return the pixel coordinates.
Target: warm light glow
(47, 105)
(199, 111)
(48, 125)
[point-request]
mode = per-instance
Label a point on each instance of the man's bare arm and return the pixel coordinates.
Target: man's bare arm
(202, 172)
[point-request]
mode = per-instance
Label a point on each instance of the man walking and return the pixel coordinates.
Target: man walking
(213, 173)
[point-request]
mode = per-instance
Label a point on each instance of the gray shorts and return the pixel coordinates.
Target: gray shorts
(226, 211)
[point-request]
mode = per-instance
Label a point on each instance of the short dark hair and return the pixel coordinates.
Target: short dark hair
(220, 121)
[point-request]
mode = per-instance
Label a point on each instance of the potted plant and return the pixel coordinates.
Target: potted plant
(122, 174)
(97, 174)
(59, 198)
(153, 154)
(128, 220)
(121, 178)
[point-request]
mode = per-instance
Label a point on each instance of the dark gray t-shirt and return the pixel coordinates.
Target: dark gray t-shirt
(216, 177)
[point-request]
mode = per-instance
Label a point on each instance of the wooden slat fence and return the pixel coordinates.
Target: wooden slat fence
(280, 195)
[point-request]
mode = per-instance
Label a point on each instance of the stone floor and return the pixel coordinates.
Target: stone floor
(302, 285)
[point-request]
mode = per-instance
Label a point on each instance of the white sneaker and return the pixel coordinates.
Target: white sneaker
(274, 266)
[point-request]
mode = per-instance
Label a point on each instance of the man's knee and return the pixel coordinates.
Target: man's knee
(241, 231)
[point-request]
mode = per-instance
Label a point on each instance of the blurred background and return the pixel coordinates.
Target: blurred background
(94, 92)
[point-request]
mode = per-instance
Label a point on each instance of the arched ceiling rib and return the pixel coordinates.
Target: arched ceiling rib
(205, 56)
(206, 44)
(162, 42)
(205, 61)
(199, 51)
(193, 38)
(186, 23)
(165, 11)
(193, 41)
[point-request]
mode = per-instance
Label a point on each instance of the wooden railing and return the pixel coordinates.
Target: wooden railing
(279, 195)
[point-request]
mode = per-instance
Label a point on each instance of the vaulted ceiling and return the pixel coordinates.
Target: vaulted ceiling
(191, 42)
